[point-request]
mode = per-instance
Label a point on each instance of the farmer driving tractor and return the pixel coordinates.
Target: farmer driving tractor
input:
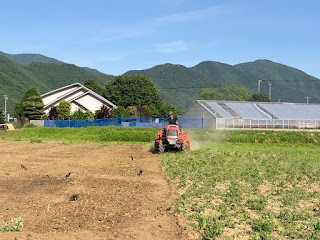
(171, 137)
(171, 119)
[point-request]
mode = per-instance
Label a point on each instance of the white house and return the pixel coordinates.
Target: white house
(78, 95)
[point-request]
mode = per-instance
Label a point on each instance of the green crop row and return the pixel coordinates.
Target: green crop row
(252, 136)
(74, 135)
(201, 137)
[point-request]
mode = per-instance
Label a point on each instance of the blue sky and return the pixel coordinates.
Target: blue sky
(117, 36)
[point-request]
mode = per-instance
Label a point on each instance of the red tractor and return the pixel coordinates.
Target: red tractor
(171, 138)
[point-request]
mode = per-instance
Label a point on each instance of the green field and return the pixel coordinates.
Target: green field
(103, 135)
(233, 184)
(251, 185)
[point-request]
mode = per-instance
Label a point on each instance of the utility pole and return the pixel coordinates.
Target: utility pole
(5, 106)
(307, 99)
(269, 91)
(259, 81)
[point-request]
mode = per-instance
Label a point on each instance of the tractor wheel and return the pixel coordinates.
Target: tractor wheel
(184, 147)
(160, 147)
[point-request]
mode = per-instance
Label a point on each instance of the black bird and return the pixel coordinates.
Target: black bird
(68, 175)
(23, 167)
(132, 158)
(74, 197)
(140, 172)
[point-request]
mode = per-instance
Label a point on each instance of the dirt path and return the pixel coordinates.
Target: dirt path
(114, 202)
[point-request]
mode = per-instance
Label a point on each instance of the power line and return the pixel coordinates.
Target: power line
(218, 85)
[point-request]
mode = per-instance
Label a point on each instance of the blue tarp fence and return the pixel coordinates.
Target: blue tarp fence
(124, 122)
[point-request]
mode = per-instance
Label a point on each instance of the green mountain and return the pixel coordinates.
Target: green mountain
(182, 86)
(26, 58)
(92, 70)
(288, 84)
(15, 79)
(178, 84)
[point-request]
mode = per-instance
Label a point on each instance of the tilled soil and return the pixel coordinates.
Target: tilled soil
(114, 200)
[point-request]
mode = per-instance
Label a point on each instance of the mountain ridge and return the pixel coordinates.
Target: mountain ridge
(179, 85)
(28, 58)
(288, 84)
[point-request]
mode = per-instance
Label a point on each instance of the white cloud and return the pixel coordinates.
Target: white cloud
(193, 15)
(120, 36)
(171, 47)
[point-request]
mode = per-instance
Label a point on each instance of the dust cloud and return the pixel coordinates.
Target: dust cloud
(204, 138)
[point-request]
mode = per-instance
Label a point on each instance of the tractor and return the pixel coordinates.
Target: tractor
(171, 137)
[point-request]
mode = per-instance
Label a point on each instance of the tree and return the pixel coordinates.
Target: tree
(213, 94)
(2, 117)
(143, 111)
(104, 112)
(165, 109)
(82, 114)
(135, 90)
(93, 85)
(31, 106)
(18, 110)
(53, 114)
(154, 111)
(132, 111)
(120, 112)
(228, 93)
(259, 97)
(234, 93)
(64, 110)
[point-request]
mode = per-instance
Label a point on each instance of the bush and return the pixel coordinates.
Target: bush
(31, 125)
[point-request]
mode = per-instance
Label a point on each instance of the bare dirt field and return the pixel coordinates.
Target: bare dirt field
(114, 201)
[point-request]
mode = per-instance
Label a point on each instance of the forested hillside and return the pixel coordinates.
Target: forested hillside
(15, 79)
(181, 86)
(27, 58)
(178, 84)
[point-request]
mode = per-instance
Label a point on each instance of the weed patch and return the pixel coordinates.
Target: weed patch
(266, 188)
(14, 225)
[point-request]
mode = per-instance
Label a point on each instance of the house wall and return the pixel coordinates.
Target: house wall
(74, 107)
(198, 111)
(90, 102)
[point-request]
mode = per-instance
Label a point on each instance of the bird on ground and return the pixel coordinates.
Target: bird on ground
(23, 167)
(140, 172)
(132, 158)
(74, 197)
(68, 174)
